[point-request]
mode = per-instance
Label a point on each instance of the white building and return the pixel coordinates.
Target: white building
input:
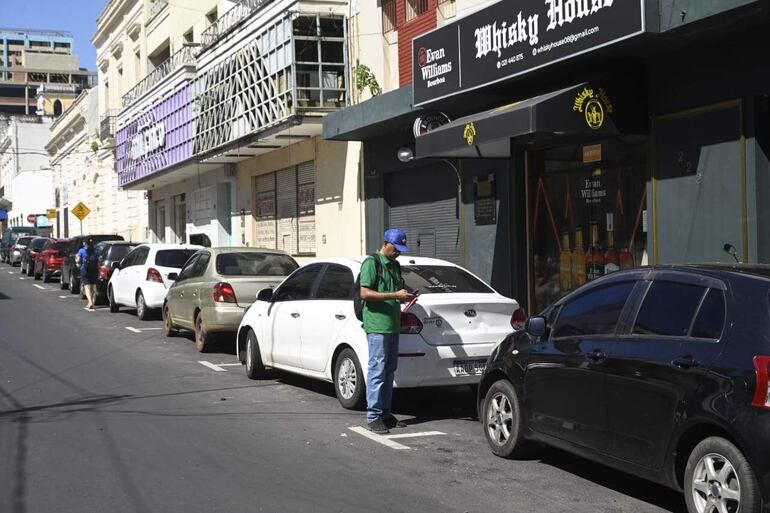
(26, 180)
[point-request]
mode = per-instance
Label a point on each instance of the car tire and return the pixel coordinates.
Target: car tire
(202, 339)
(45, 275)
(169, 329)
(349, 380)
(255, 369)
(74, 285)
(62, 283)
(30, 270)
(141, 307)
(114, 306)
(733, 473)
(502, 418)
(37, 275)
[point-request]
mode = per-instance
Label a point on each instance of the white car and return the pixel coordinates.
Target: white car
(308, 326)
(141, 281)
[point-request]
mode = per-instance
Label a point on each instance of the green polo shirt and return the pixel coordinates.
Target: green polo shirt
(382, 316)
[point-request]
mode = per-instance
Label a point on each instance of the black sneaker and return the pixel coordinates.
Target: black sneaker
(392, 422)
(377, 426)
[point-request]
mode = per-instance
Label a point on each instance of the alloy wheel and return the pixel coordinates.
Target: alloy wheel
(715, 485)
(347, 378)
(499, 419)
(140, 306)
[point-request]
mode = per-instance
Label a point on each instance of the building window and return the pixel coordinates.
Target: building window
(447, 8)
(388, 15)
(57, 108)
(320, 62)
(415, 8)
(285, 210)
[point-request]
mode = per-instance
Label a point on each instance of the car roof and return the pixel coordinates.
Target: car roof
(245, 249)
(159, 246)
(403, 260)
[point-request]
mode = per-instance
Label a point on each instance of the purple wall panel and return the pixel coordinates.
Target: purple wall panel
(156, 139)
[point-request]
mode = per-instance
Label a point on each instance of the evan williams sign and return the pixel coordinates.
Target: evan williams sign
(511, 38)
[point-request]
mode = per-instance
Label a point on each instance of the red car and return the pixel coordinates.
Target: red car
(50, 259)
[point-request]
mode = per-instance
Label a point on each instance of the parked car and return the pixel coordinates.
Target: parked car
(217, 285)
(141, 279)
(658, 372)
(109, 253)
(17, 249)
(29, 254)
(308, 326)
(49, 260)
(70, 272)
(9, 238)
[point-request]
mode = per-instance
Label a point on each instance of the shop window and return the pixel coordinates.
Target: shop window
(415, 8)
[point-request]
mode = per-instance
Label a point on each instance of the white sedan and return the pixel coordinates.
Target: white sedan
(308, 326)
(141, 280)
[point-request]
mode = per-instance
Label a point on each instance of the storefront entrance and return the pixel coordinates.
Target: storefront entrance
(587, 214)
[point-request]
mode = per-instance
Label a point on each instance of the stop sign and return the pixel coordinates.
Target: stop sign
(31, 218)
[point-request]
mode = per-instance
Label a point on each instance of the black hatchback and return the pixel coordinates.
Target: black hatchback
(660, 372)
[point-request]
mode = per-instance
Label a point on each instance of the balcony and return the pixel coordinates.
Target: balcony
(108, 124)
(231, 19)
(183, 57)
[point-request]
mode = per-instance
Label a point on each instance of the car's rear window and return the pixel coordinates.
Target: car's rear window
(441, 279)
(59, 246)
(119, 251)
(173, 257)
(102, 238)
(255, 264)
(24, 241)
(37, 244)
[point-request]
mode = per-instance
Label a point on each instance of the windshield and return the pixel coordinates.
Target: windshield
(37, 244)
(255, 264)
(173, 257)
(23, 241)
(432, 279)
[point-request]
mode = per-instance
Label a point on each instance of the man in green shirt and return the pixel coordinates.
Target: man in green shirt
(382, 293)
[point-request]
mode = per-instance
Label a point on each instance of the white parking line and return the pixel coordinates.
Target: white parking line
(415, 435)
(139, 330)
(22, 278)
(68, 297)
(40, 287)
(212, 366)
(381, 439)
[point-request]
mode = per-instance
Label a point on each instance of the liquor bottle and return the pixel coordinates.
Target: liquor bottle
(594, 260)
(611, 260)
(565, 264)
(578, 260)
(626, 259)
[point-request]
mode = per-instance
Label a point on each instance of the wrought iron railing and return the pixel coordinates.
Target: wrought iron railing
(229, 20)
(108, 124)
(183, 57)
(155, 8)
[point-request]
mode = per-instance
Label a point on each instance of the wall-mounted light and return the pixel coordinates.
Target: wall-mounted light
(405, 154)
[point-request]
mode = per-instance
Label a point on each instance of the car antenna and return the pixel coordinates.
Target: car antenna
(730, 250)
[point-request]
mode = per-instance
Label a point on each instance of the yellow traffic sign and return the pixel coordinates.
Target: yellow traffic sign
(50, 213)
(80, 211)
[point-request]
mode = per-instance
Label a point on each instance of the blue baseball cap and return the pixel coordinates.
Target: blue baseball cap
(397, 237)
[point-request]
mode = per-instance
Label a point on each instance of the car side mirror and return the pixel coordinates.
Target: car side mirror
(535, 326)
(265, 295)
(172, 276)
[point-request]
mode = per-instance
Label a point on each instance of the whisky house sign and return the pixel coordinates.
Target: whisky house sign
(513, 37)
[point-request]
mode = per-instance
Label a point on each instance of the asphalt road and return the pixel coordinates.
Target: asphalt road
(97, 417)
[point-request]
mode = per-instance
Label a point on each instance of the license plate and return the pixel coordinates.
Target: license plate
(469, 367)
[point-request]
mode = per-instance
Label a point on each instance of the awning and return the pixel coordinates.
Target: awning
(585, 108)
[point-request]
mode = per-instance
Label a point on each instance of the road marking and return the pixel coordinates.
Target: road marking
(229, 364)
(68, 297)
(139, 330)
(22, 278)
(129, 328)
(212, 366)
(10, 272)
(40, 287)
(387, 440)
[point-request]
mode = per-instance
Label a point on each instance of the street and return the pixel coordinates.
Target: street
(100, 412)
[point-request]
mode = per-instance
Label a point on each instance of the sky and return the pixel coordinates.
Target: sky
(76, 16)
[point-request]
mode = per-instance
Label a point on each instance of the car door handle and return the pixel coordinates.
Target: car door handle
(596, 356)
(295, 314)
(685, 362)
(340, 316)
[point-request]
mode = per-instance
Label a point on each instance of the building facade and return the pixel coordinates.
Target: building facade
(224, 136)
(546, 147)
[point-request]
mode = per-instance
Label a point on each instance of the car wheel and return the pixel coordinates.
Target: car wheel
(30, 269)
(114, 306)
(141, 307)
(349, 381)
(46, 277)
(74, 285)
(502, 420)
(255, 369)
(62, 283)
(168, 327)
(719, 478)
(37, 275)
(202, 339)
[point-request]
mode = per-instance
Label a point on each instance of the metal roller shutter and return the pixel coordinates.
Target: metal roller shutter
(306, 198)
(423, 202)
(265, 211)
(286, 182)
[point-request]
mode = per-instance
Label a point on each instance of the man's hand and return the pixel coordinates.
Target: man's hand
(403, 296)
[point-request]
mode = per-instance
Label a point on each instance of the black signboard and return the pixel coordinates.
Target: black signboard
(513, 37)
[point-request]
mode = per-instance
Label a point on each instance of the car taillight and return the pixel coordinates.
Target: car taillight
(154, 275)
(104, 271)
(224, 293)
(518, 319)
(762, 390)
(410, 324)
